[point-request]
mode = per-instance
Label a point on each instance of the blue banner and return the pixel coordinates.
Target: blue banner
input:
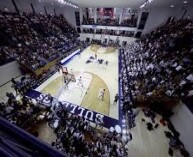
(92, 116)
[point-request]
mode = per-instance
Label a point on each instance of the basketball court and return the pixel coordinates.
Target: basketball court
(94, 77)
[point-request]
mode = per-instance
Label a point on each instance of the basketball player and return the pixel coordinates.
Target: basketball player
(58, 68)
(71, 71)
(116, 99)
(101, 94)
(107, 62)
(95, 56)
(80, 81)
(79, 55)
(65, 84)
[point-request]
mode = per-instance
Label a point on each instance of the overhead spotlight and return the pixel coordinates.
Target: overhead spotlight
(123, 120)
(185, 2)
(67, 3)
(145, 3)
(172, 6)
(124, 131)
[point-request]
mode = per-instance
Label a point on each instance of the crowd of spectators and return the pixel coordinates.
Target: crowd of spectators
(130, 22)
(75, 135)
(109, 32)
(160, 64)
(22, 112)
(156, 67)
(35, 39)
(156, 72)
(108, 22)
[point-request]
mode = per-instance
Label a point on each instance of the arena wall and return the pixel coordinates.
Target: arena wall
(8, 71)
(182, 121)
(158, 16)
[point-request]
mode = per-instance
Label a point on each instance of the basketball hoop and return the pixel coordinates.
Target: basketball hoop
(65, 70)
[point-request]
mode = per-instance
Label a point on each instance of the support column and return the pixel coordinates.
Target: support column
(33, 10)
(81, 15)
(95, 15)
(120, 17)
(139, 17)
(55, 12)
(45, 10)
(15, 6)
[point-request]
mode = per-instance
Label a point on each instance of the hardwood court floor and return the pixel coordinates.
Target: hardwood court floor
(110, 50)
(91, 100)
(53, 87)
(96, 49)
(96, 77)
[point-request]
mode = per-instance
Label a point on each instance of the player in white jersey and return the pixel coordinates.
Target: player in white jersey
(80, 82)
(101, 94)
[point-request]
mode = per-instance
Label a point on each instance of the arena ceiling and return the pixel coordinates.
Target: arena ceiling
(124, 3)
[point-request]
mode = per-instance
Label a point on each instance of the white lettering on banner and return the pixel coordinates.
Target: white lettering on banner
(66, 104)
(74, 109)
(91, 115)
(46, 100)
(41, 97)
(74, 106)
(99, 118)
(81, 112)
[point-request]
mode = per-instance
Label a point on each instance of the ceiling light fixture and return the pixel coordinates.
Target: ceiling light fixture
(145, 3)
(185, 2)
(67, 3)
(172, 6)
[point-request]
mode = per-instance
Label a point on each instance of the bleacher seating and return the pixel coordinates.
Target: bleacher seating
(159, 65)
(36, 40)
